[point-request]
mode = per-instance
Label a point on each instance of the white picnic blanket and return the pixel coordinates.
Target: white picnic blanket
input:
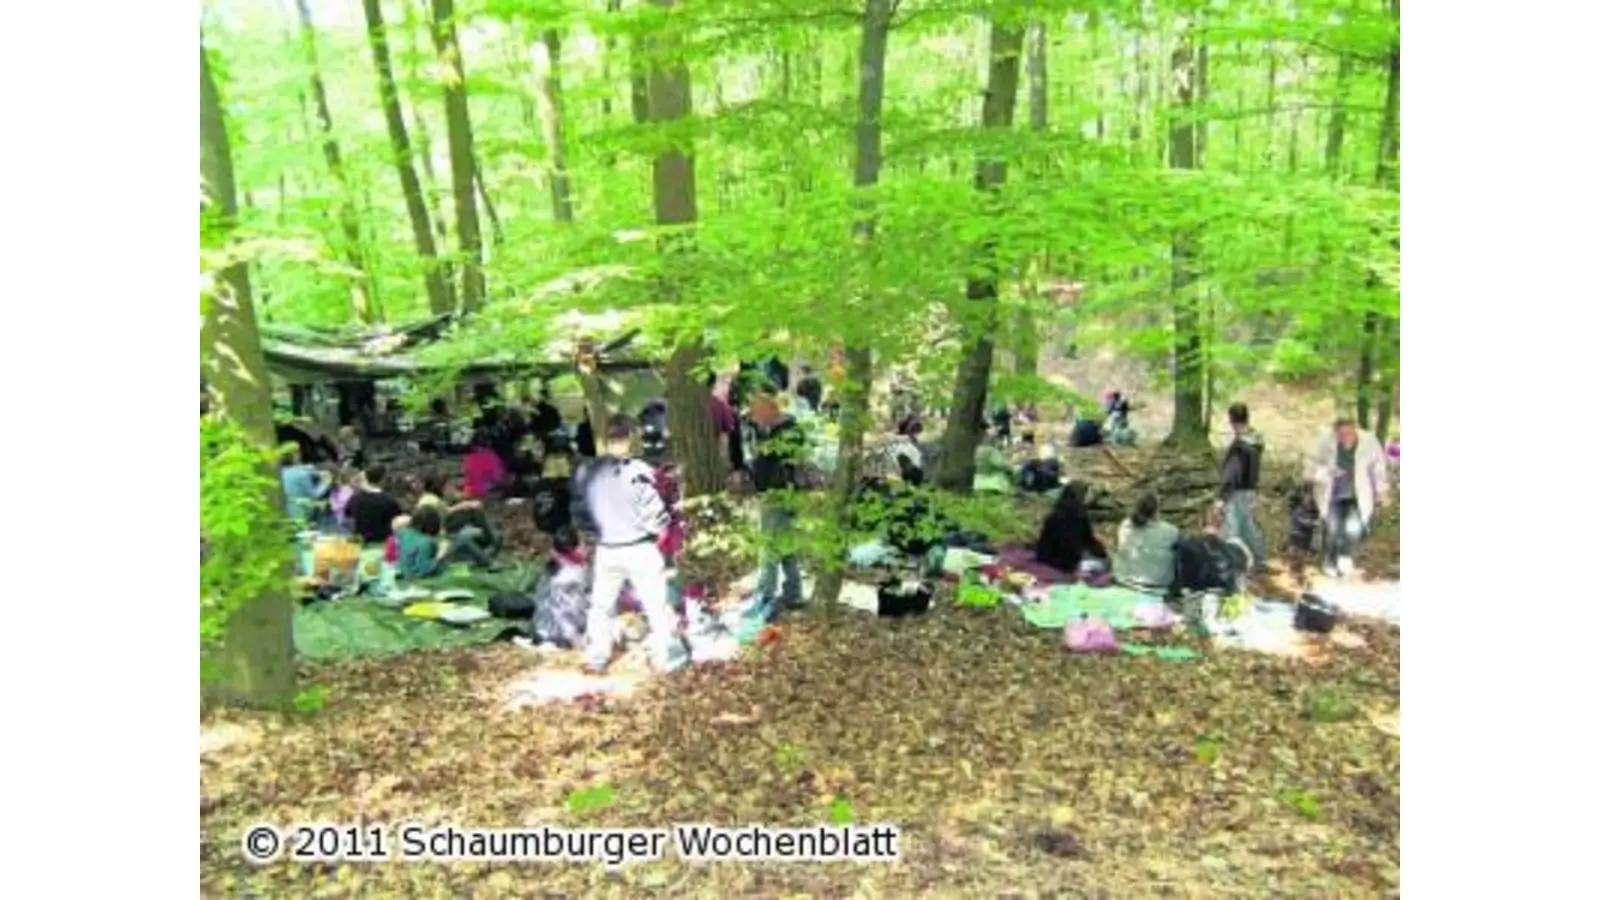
(1372, 600)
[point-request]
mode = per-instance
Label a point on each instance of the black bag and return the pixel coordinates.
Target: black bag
(512, 606)
(896, 600)
(1315, 614)
(1207, 564)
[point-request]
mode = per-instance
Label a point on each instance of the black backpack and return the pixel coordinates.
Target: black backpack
(512, 606)
(1208, 563)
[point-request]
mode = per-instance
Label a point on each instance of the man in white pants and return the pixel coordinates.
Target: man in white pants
(619, 504)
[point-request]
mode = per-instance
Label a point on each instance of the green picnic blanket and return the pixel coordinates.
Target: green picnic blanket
(1069, 602)
(359, 626)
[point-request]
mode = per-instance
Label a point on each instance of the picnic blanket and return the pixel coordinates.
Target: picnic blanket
(363, 626)
(1063, 604)
(1019, 557)
(1376, 600)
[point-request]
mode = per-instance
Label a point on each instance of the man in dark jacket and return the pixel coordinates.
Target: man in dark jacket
(1241, 476)
(775, 446)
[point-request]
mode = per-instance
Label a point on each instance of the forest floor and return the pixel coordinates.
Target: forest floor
(1011, 768)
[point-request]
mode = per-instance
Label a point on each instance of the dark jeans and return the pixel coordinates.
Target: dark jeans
(1342, 531)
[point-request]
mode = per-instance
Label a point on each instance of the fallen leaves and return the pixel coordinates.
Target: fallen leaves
(1009, 767)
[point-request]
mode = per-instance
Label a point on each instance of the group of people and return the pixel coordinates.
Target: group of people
(1345, 484)
(619, 505)
(609, 512)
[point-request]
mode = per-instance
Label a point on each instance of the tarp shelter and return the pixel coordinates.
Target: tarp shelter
(299, 356)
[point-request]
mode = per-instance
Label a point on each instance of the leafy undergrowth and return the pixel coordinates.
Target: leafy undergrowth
(1012, 769)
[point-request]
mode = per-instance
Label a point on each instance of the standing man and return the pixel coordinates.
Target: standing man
(1241, 476)
(1349, 475)
(620, 506)
(777, 442)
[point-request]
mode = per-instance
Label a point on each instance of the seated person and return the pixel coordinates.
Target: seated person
(371, 510)
(1067, 538)
(993, 472)
(1000, 420)
(465, 522)
(561, 602)
(1042, 475)
(551, 500)
(482, 470)
(347, 483)
(419, 551)
(1118, 429)
(653, 429)
(352, 450)
(1210, 563)
(1145, 558)
(304, 489)
(1085, 431)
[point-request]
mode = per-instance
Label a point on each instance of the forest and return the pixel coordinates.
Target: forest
(1000, 203)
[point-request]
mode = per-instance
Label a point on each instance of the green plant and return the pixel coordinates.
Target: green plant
(244, 532)
(790, 757)
(1328, 706)
(840, 812)
(591, 799)
(311, 700)
(1303, 802)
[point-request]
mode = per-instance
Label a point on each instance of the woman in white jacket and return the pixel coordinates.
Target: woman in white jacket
(1349, 474)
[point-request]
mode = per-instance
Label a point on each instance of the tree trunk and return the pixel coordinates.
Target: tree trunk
(1375, 329)
(1272, 104)
(1026, 349)
(257, 653)
(547, 87)
(606, 56)
(1188, 394)
(363, 300)
(855, 392)
(496, 235)
(416, 20)
(1338, 117)
(958, 453)
(441, 299)
(694, 435)
(463, 161)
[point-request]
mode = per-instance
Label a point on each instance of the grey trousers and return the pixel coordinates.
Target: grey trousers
(1239, 523)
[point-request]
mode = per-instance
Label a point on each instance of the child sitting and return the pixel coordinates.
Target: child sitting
(419, 553)
(562, 600)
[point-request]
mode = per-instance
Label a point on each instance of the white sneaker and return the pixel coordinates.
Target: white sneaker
(1347, 566)
(1330, 571)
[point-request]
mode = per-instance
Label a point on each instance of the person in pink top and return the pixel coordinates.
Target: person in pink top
(726, 423)
(482, 470)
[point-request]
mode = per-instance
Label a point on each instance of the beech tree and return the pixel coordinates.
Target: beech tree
(256, 658)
